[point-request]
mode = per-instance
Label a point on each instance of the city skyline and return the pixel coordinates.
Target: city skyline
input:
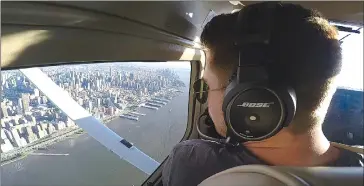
(105, 90)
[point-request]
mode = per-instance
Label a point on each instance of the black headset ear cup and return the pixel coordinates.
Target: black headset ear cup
(233, 111)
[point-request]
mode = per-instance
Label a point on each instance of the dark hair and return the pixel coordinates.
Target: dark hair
(306, 52)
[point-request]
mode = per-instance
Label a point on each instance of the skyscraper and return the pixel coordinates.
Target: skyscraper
(6, 85)
(36, 92)
(25, 102)
(80, 101)
(98, 102)
(3, 78)
(116, 98)
(4, 111)
(90, 105)
(44, 100)
(20, 103)
(39, 100)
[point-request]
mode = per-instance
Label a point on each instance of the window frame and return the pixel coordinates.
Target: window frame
(194, 109)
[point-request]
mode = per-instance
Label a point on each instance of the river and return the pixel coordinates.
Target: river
(86, 162)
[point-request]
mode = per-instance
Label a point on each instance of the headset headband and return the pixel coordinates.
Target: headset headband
(253, 38)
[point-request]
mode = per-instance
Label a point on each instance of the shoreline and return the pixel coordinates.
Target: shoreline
(23, 152)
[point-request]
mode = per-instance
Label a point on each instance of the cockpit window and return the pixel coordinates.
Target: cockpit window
(351, 76)
(344, 119)
(144, 103)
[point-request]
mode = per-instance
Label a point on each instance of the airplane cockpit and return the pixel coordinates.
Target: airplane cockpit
(99, 93)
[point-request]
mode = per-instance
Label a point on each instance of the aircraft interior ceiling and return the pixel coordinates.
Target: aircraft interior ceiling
(123, 31)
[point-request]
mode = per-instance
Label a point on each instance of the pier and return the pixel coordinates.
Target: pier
(153, 105)
(129, 117)
(161, 99)
(132, 115)
(137, 113)
(149, 107)
(48, 154)
(157, 102)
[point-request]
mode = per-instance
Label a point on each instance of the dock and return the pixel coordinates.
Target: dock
(153, 105)
(157, 102)
(137, 113)
(132, 115)
(48, 154)
(149, 107)
(129, 117)
(161, 99)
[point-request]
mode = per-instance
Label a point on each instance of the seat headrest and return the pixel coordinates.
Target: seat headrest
(260, 175)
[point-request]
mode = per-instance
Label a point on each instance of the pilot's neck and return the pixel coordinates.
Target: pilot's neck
(289, 149)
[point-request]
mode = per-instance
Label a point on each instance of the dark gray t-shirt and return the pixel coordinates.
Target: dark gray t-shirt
(192, 161)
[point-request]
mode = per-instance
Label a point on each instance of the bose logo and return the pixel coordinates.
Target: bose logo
(247, 104)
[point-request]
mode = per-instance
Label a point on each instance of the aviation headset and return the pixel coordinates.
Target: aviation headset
(256, 106)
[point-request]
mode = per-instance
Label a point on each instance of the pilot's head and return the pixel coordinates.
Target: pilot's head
(306, 60)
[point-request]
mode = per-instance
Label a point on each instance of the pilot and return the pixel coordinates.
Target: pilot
(308, 61)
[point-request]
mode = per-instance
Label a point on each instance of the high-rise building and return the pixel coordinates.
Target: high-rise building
(5, 143)
(3, 79)
(110, 111)
(90, 105)
(69, 122)
(116, 98)
(6, 85)
(98, 102)
(20, 103)
(3, 124)
(18, 141)
(29, 134)
(39, 132)
(4, 110)
(19, 107)
(73, 74)
(73, 83)
(44, 100)
(24, 82)
(50, 129)
(109, 102)
(36, 92)
(39, 100)
(25, 101)
(80, 101)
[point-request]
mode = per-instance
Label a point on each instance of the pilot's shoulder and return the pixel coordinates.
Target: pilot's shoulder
(193, 143)
(189, 162)
(194, 149)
